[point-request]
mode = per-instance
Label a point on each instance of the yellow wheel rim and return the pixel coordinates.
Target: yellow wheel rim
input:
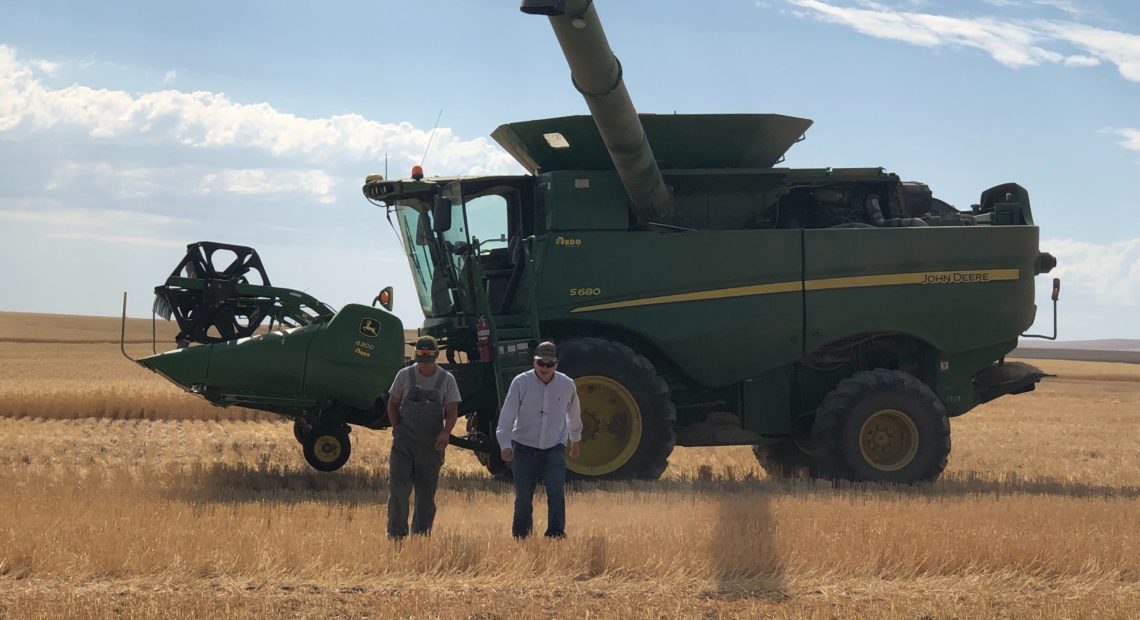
(327, 448)
(888, 440)
(611, 426)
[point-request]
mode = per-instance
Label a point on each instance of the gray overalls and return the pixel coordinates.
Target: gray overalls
(415, 462)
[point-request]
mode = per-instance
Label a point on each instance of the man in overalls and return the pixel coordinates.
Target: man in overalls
(423, 404)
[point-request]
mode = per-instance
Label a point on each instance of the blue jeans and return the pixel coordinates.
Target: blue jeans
(529, 465)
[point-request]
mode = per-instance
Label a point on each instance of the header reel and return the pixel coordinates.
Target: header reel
(211, 296)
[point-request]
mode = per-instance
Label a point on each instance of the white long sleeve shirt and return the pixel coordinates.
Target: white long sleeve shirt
(540, 415)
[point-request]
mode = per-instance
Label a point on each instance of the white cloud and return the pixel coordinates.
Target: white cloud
(169, 77)
(1119, 48)
(121, 239)
(46, 67)
(1015, 44)
(1131, 137)
(114, 182)
(268, 182)
(1065, 6)
(1109, 272)
(1081, 61)
(87, 218)
(1009, 44)
(207, 120)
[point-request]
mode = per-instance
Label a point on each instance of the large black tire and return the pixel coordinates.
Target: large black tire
(499, 469)
(327, 448)
(300, 429)
(493, 461)
(627, 413)
(881, 426)
(785, 459)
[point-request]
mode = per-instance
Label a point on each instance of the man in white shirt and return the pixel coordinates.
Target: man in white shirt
(540, 416)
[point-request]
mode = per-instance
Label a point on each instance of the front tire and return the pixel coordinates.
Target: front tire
(300, 429)
(627, 413)
(327, 448)
(493, 461)
(882, 426)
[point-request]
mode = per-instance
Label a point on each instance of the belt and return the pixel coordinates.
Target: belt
(522, 447)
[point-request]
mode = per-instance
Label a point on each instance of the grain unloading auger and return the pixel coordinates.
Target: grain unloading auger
(243, 342)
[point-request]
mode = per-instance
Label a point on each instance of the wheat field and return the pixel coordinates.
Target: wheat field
(123, 496)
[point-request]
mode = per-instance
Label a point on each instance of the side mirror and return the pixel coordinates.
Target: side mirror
(384, 299)
(441, 214)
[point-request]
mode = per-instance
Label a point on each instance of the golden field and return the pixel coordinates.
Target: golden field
(123, 496)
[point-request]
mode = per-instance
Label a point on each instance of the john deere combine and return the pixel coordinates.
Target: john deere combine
(701, 296)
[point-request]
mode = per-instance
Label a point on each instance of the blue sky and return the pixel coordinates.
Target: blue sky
(128, 129)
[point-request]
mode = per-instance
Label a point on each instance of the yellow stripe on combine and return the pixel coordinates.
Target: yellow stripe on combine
(920, 277)
(980, 276)
(740, 291)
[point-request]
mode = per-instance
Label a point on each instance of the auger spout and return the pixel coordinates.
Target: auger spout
(597, 74)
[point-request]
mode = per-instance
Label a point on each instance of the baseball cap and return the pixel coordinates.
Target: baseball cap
(546, 351)
(426, 349)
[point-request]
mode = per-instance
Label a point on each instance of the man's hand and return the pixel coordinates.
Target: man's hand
(441, 440)
(507, 454)
(575, 449)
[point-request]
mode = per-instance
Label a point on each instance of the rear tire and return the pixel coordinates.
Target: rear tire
(882, 426)
(327, 448)
(627, 413)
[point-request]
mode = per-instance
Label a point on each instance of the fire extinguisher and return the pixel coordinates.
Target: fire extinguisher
(483, 339)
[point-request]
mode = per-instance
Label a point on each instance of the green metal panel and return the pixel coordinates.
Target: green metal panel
(583, 200)
(723, 305)
(355, 356)
(976, 283)
(679, 141)
(766, 402)
(185, 367)
(265, 364)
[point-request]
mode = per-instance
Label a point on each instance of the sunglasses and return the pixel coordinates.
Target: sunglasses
(546, 364)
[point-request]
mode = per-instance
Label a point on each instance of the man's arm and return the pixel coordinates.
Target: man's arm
(394, 396)
(393, 410)
(510, 412)
(451, 400)
(574, 421)
(450, 415)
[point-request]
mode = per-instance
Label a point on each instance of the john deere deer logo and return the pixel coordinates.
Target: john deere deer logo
(370, 327)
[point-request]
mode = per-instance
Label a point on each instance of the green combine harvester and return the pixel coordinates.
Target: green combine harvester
(834, 319)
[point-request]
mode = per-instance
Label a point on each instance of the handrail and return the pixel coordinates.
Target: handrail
(123, 331)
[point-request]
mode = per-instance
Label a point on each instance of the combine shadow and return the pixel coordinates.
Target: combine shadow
(746, 560)
(963, 484)
(239, 483)
(978, 484)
